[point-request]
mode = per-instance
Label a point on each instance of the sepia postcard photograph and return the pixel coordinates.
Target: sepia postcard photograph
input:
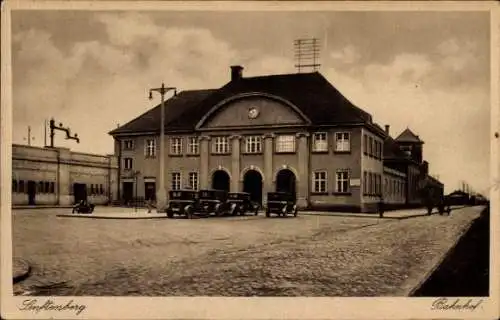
(249, 160)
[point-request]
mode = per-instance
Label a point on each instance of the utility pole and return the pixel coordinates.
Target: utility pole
(161, 193)
(29, 136)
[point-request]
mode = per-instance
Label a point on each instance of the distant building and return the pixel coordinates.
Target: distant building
(58, 176)
(292, 132)
(459, 197)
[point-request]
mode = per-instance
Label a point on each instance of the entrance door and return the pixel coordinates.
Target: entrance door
(252, 183)
(220, 180)
(79, 192)
(286, 181)
(128, 191)
(150, 191)
(31, 192)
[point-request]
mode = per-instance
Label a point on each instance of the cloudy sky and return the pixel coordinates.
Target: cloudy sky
(428, 71)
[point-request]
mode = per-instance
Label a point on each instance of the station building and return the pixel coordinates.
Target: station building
(58, 176)
(292, 132)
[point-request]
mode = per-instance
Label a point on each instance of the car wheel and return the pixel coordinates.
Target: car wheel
(268, 214)
(170, 214)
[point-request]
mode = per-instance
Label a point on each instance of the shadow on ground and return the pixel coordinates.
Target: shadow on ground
(465, 270)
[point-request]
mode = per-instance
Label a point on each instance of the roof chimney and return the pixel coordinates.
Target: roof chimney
(387, 129)
(236, 73)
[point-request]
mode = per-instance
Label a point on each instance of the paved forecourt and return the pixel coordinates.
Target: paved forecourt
(313, 254)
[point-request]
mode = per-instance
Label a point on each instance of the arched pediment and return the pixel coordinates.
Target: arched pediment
(253, 110)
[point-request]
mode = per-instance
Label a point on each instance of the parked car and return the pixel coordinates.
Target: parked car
(182, 203)
(281, 203)
(240, 203)
(212, 202)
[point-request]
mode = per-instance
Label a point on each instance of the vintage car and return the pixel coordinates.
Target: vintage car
(182, 203)
(83, 207)
(240, 203)
(211, 201)
(281, 203)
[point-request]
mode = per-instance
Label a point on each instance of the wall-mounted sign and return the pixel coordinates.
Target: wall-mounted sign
(355, 182)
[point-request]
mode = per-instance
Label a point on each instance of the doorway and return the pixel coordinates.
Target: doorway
(128, 191)
(286, 181)
(31, 192)
(252, 183)
(150, 191)
(220, 180)
(79, 192)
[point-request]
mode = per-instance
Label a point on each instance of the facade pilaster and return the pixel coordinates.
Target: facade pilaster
(268, 165)
(235, 162)
(63, 187)
(204, 154)
(303, 169)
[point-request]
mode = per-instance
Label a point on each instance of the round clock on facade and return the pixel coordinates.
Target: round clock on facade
(253, 113)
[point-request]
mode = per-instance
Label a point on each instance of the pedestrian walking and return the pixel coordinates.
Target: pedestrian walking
(381, 207)
(149, 205)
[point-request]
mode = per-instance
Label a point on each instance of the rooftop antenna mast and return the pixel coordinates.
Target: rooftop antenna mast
(307, 54)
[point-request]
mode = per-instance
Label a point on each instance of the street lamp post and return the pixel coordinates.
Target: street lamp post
(161, 193)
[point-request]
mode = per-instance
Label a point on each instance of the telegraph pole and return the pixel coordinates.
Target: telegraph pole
(29, 136)
(161, 193)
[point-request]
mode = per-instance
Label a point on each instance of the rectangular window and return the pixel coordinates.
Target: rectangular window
(14, 185)
(320, 182)
(46, 187)
(150, 148)
(52, 187)
(128, 144)
(101, 189)
(342, 142)
(365, 144)
(176, 180)
(253, 144)
(175, 146)
(220, 145)
(376, 148)
(320, 142)
(365, 182)
(193, 180)
(342, 180)
(370, 183)
(285, 143)
(193, 145)
(127, 165)
(379, 184)
(394, 187)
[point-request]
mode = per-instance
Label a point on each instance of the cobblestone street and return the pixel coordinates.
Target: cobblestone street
(312, 255)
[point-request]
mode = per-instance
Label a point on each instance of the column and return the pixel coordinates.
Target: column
(303, 169)
(268, 165)
(204, 154)
(235, 162)
(63, 185)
